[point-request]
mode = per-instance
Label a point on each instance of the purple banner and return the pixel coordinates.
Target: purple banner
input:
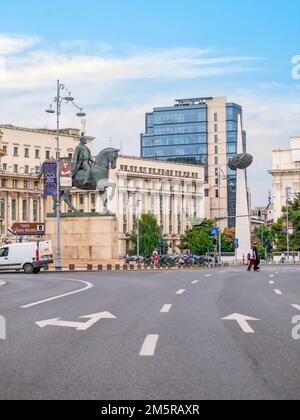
(50, 181)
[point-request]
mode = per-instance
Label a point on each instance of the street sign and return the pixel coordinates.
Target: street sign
(214, 231)
(28, 229)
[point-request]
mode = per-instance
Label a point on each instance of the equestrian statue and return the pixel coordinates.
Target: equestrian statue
(92, 175)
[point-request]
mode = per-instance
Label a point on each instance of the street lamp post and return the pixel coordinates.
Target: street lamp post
(59, 100)
(137, 202)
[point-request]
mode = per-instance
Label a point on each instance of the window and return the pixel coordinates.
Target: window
(35, 211)
(216, 138)
(37, 154)
(81, 198)
(2, 208)
(216, 150)
(16, 151)
(47, 154)
(216, 160)
(217, 193)
(24, 215)
(206, 192)
(4, 166)
(26, 169)
(13, 209)
(4, 149)
(216, 128)
(26, 152)
(215, 116)
(4, 252)
(16, 169)
(15, 183)
(25, 184)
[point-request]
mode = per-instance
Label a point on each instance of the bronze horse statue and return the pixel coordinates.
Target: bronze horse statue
(99, 179)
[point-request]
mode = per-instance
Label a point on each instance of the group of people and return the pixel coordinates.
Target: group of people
(254, 259)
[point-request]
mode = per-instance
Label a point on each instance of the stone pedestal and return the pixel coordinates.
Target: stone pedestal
(85, 238)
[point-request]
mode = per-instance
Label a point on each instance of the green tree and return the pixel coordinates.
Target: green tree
(280, 238)
(150, 236)
(199, 239)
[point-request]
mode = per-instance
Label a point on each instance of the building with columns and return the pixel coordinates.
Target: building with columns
(175, 193)
(23, 150)
(286, 175)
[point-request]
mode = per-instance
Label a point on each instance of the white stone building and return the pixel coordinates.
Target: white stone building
(286, 175)
(24, 149)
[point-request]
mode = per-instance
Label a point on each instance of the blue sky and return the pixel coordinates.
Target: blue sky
(122, 57)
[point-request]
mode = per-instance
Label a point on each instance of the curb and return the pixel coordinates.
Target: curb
(124, 268)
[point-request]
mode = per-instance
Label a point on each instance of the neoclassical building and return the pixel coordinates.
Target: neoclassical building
(286, 175)
(23, 150)
(176, 193)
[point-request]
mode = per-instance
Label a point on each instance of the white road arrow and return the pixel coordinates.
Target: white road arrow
(79, 326)
(242, 320)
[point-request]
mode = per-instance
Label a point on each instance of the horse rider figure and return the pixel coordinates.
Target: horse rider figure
(82, 160)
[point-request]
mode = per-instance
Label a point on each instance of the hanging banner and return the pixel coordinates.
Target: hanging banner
(287, 229)
(50, 183)
(65, 174)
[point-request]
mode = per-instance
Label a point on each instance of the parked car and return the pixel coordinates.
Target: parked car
(30, 257)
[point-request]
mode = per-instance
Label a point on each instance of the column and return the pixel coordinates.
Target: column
(20, 208)
(86, 203)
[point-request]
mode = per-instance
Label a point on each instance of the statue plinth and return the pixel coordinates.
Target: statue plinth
(87, 238)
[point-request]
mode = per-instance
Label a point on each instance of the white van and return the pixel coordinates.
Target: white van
(30, 257)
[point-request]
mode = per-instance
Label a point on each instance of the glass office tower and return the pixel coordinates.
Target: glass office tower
(198, 130)
(232, 113)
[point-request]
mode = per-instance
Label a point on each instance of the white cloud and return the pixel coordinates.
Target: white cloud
(39, 67)
(13, 44)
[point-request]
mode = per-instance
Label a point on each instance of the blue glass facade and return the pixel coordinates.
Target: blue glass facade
(232, 113)
(176, 134)
(180, 134)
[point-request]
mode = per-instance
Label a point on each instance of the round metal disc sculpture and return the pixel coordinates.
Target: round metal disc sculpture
(241, 161)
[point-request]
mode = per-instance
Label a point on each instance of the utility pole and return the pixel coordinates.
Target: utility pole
(288, 193)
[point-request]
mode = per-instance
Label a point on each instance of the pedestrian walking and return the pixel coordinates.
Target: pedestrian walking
(256, 258)
(251, 259)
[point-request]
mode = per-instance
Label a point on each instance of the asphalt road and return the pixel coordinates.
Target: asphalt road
(144, 349)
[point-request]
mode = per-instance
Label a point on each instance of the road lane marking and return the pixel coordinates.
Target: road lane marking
(165, 309)
(208, 275)
(271, 282)
(181, 292)
(195, 281)
(40, 302)
(149, 346)
(278, 292)
(2, 283)
(242, 320)
(272, 275)
(79, 326)
(296, 307)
